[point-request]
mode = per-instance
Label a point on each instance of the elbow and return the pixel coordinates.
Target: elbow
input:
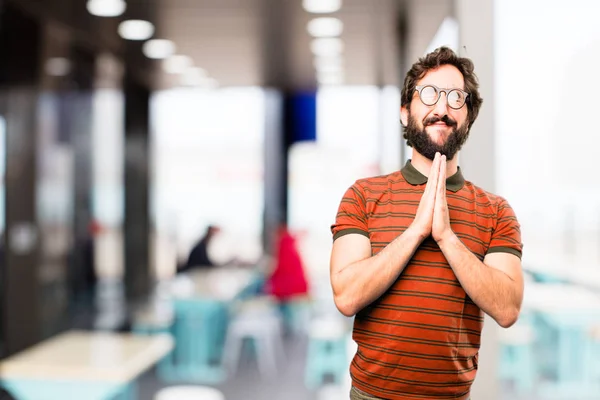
(346, 307)
(509, 318)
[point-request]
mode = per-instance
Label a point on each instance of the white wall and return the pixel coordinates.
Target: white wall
(475, 18)
(547, 88)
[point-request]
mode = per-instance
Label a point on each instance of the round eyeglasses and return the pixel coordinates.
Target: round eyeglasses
(430, 94)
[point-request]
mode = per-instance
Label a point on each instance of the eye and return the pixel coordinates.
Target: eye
(456, 98)
(429, 95)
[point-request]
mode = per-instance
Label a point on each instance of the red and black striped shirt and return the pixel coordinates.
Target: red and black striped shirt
(420, 339)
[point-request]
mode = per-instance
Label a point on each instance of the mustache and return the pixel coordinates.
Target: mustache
(445, 119)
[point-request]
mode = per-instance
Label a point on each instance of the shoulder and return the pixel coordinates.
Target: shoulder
(486, 198)
(380, 180)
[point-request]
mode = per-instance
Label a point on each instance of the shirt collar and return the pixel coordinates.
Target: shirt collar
(453, 183)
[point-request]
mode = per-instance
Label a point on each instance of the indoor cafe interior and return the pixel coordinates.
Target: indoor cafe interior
(170, 171)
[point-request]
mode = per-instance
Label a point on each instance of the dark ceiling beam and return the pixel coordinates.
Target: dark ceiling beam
(275, 40)
(97, 35)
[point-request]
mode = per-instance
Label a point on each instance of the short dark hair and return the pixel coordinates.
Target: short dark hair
(444, 56)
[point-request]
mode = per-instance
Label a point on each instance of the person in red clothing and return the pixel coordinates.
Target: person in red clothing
(287, 279)
(287, 282)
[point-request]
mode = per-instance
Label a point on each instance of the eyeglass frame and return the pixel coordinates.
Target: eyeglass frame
(419, 88)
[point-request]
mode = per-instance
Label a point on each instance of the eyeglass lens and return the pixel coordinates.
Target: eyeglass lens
(430, 95)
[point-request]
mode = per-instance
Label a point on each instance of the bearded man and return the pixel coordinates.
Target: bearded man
(420, 254)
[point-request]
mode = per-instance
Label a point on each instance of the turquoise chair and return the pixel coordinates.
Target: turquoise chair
(517, 365)
(150, 329)
(573, 351)
(296, 313)
(327, 351)
(542, 277)
(253, 289)
(517, 355)
(594, 357)
(199, 330)
(326, 357)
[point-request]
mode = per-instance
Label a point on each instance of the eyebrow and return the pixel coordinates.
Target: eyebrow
(442, 87)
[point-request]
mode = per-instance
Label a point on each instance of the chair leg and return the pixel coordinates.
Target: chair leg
(232, 351)
(266, 356)
(312, 373)
(277, 337)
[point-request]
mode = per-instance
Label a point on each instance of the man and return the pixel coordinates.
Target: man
(420, 254)
(199, 257)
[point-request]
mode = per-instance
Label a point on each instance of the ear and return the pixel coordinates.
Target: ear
(404, 115)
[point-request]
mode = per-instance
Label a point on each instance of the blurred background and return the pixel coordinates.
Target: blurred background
(169, 171)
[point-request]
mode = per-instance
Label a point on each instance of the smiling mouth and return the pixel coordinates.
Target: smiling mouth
(439, 125)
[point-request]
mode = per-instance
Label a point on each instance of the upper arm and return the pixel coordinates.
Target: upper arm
(507, 263)
(506, 236)
(505, 250)
(349, 249)
(350, 231)
(510, 265)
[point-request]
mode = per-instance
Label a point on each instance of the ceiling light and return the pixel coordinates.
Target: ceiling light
(106, 8)
(327, 46)
(331, 80)
(322, 6)
(325, 27)
(196, 77)
(136, 29)
(329, 75)
(202, 83)
(332, 62)
(57, 66)
(158, 48)
(177, 64)
(210, 83)
(193, 77)
(330, 69)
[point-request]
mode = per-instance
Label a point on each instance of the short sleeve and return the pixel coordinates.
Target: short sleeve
(351, 216)
(506, 237)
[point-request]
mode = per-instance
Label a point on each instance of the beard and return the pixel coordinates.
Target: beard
(420, 140)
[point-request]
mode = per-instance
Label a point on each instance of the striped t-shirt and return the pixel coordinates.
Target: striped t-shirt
(420, 339)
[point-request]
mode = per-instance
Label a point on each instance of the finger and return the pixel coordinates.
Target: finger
(434, 165)
(432, 181)
(441, 186)
(429, 185)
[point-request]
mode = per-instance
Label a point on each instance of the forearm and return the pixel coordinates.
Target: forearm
(360, 283)
(492, 290)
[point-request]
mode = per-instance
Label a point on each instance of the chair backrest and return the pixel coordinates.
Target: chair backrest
(196, 307)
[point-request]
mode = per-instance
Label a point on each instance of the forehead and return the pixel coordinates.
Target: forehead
(446, 76)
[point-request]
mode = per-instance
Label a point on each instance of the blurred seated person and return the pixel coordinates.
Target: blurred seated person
(199, 257)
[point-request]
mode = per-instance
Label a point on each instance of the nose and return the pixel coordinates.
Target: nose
(441, 107)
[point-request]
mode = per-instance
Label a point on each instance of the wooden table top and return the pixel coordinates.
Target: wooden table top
(90, 356)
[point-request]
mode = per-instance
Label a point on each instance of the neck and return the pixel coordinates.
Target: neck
(423, 164)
